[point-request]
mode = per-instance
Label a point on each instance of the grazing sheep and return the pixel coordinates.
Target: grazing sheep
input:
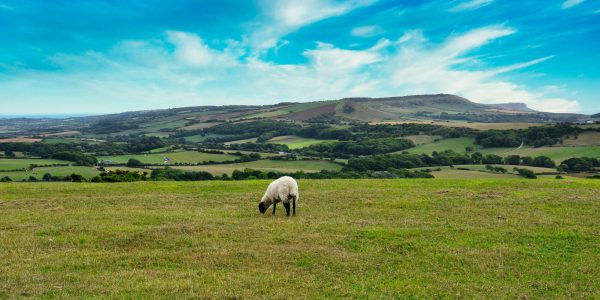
(284, 189)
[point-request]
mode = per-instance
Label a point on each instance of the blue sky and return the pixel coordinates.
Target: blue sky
(60, 57)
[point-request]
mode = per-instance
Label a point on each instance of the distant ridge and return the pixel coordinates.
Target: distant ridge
(514, 106)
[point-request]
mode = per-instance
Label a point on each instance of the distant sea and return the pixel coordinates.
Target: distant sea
(45, 116)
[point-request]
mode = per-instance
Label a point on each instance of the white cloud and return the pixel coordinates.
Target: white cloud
(182, 70)
(192, 51)
(416, 69)
(470, 5)
(366, 31)
(286, 16)
(327, 58)
(571, 3)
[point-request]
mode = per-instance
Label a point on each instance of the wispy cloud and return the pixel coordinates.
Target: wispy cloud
(419, 68)
(470, 5)
(571, 3)
(366, 31)
(284, 17)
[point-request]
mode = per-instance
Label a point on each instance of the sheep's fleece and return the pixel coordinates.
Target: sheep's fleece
(284, 189)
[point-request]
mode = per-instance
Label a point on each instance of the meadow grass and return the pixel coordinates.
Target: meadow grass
(350, 239)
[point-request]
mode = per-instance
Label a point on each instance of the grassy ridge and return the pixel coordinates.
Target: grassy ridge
(352, 238)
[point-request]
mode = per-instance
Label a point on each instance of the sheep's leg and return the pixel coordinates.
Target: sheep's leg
(287, 207)
(294, 206)
(274, 205)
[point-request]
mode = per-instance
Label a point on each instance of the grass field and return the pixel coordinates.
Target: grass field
(404, 239)
(591, 138)
(558, 153)
(296, 142)
(455, 144)
(175, 157)
(87, 172)
(423, 139)
(268, 165)
(14, 164)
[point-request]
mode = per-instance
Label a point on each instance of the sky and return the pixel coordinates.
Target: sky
(73, 57)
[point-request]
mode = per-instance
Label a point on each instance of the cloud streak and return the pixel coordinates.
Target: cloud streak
(285, 16)
(571, 3)
(470, 5)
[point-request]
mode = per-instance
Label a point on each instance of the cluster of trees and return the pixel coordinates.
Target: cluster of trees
(400, 130)
(249, 174)
(79, 152)
(534, 136)
(579, 164)
(111, 125)
(351, 148)
(120, 176)
(256, 147)
(50, 178)
(445, 158)
(526, 173)
(265, 130)
(77, 157)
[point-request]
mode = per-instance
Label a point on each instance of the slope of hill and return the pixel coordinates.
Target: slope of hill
(167, 121)
(513, 106)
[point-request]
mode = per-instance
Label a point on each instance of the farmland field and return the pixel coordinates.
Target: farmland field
(87, 172)
(558, 154)
(174, 157)
(296, 142)
(14, 164)
(455, 144)
(351, 239)
(268, 165)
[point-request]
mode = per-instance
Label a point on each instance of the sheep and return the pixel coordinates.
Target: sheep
(284, 189)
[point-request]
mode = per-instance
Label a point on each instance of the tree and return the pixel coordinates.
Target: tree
(526, 173)
(47, 177)
(512, 160)
(9, 153)
(134, 163)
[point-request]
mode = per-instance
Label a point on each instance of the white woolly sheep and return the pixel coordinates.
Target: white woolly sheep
(284, 189)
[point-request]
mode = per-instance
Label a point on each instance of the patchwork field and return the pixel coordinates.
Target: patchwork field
(172, 157)
(479, 172)
(268, 165)
(351, 239)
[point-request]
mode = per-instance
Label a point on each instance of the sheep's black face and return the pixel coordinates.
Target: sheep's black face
(262, 208)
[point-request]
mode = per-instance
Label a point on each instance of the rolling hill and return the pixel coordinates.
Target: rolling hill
(418, 108)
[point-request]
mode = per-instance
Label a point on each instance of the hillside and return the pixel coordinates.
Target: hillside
(419, 108)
